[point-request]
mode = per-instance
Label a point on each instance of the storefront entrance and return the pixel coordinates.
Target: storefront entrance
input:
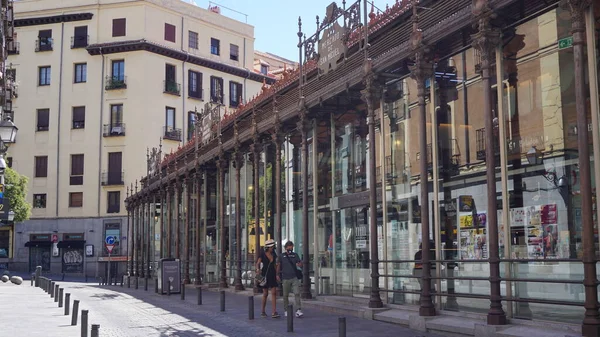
(39, 256)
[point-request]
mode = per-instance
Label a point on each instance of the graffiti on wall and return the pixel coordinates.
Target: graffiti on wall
(72, 261)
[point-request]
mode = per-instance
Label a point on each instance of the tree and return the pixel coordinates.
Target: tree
(15, 189)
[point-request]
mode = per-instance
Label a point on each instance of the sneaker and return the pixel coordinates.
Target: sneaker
(263, 314)
(285, 314)
(275, 315)
(299, 313)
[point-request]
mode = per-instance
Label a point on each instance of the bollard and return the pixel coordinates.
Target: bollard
(199, 296)
(56, 287)
(75, 312)
(156, 286)
(38, 273)
(290, 318)
(67, 303)
(169, 288)
(100, 281)
(342, 326)
(95, 330)
(146, 283)
(51, 289)
(84, 323)
(222, 300)
(128, 281)
(122, 281)
(32, 277)
(250, 307)
(60, 297)
(183, 291)
(137, 280)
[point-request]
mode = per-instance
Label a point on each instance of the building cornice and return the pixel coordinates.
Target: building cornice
(144, 45)
(47, 20)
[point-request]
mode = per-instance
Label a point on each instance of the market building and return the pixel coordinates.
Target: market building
(468, 129)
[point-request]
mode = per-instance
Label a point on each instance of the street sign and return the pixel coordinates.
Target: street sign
(54, 238)
(565, 43)
(109, 248)
(110, 240)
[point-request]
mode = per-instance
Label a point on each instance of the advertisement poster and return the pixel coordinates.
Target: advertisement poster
(472, 230)
(541, 231)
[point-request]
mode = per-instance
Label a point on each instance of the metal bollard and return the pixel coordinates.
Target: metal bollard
(169, 288)
(128, 281)
(95, 330)
(52, 289)
(199, 295)
(290, 318)
(122, 278)
(32, 277)
(146, 283)
(183, 291)
(56, 287)
(84, 323)
(342, 326)
(60, 297)
(250, 307)
(38, 273)
(67, 303)
(75, 312)
(137, 281)
(222, 300)
(156, 286)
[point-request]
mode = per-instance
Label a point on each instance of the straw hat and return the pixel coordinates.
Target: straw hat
(270, 243)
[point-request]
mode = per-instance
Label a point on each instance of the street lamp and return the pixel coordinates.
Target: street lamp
(8, 131)
(11, 215)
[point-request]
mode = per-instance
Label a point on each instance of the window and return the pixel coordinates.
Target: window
(116, 114)
(44, 40)
(80, 37)
(9, 162)
(80, 73)
(78, 117)
(118, 70)
(76, 169)
(234, 52)
(114, 202)
(194, 84)
(169, 32)
(216, 89)
(215, 46)
(76, 199)
(191, 124)
(11, 73)
(170, 118)
(44, 76)
(264, 69)
(39, 200)
(193, 40)
(43, 119)
(119, 27)
(41, 167)
(235, 93)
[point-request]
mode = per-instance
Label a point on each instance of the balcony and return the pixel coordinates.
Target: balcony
(44, 44)
(113, 178)
(480, 138)
(449, 150)
(171, 133)
(79, 41)
(171, 88)
(13, 48)
(113, 130)
(76, 180)
(115, 82)
(196, 94)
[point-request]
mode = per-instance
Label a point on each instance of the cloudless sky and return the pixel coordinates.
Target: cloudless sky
(276, 21)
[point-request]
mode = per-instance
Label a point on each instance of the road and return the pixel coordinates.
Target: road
(29, 311)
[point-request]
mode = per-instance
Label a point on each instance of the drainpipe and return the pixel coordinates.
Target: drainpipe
(101, 130)
(248, 71)
(60, 71)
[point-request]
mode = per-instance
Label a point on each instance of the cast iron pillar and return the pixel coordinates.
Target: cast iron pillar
(591, 320)
(304, 126)
(178, 204)
(371, 95)
(221, 165)
(186, 231)
(277, 138)
(169, 220)
(421, 70)
(136, 228)
(486, 41)
(255, 148)
(238, 161)
(128, 205)
(143, 223)
(199, 232)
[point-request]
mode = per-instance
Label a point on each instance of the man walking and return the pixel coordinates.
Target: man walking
(291, 271)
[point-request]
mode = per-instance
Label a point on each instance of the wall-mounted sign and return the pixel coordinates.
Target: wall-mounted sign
(89, 250)
(331, 47)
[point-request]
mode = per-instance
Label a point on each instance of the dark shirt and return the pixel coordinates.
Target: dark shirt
(419, 258)
(268, 268)
(288, 265)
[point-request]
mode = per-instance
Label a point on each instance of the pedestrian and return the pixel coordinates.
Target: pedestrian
(270, 271)
(291, 275)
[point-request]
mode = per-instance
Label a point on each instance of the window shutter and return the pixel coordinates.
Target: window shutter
(169, 32)
(119, 27)
(79, 114)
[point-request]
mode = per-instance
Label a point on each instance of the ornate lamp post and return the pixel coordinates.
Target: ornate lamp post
(8, 135)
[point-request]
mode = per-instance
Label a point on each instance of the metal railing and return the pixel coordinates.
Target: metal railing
(13, 47)
(171, 133)
(79, 41)
(115, 82)
(113, 178)
(196, 94)
(171, 87)
(113, 130)
(44, 44)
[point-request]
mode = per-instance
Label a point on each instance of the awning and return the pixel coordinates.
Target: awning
(38, 244)
(71, 244)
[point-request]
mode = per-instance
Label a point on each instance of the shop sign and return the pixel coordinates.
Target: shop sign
(565, 43)
(331, 47)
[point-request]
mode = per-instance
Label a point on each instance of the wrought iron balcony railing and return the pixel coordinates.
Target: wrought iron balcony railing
(79, 41)
(171, 87)
(171, 133)
(13, 48)
(115, 82)
(113, 130)
(113, 178)
(43, 44)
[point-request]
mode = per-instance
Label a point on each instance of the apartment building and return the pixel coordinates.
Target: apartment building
(99, 82)
(272, 65)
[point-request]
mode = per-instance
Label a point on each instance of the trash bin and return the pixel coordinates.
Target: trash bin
(325, 285)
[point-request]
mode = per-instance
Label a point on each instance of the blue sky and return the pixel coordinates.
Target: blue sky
(276, 21)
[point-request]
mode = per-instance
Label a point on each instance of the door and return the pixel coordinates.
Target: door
(115, 167)
(39, 256)
(80, 38)
(170, 73)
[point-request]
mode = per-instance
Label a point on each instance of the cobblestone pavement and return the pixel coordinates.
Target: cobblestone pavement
(135, 312)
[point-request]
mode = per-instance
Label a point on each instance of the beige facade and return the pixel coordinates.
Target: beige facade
(134, 75)
(271, 64)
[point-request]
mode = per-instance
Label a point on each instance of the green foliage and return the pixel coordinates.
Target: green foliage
(15, 189)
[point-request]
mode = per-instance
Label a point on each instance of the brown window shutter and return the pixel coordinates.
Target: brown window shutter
(79, 114)
(119, 27)
(169, 32)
